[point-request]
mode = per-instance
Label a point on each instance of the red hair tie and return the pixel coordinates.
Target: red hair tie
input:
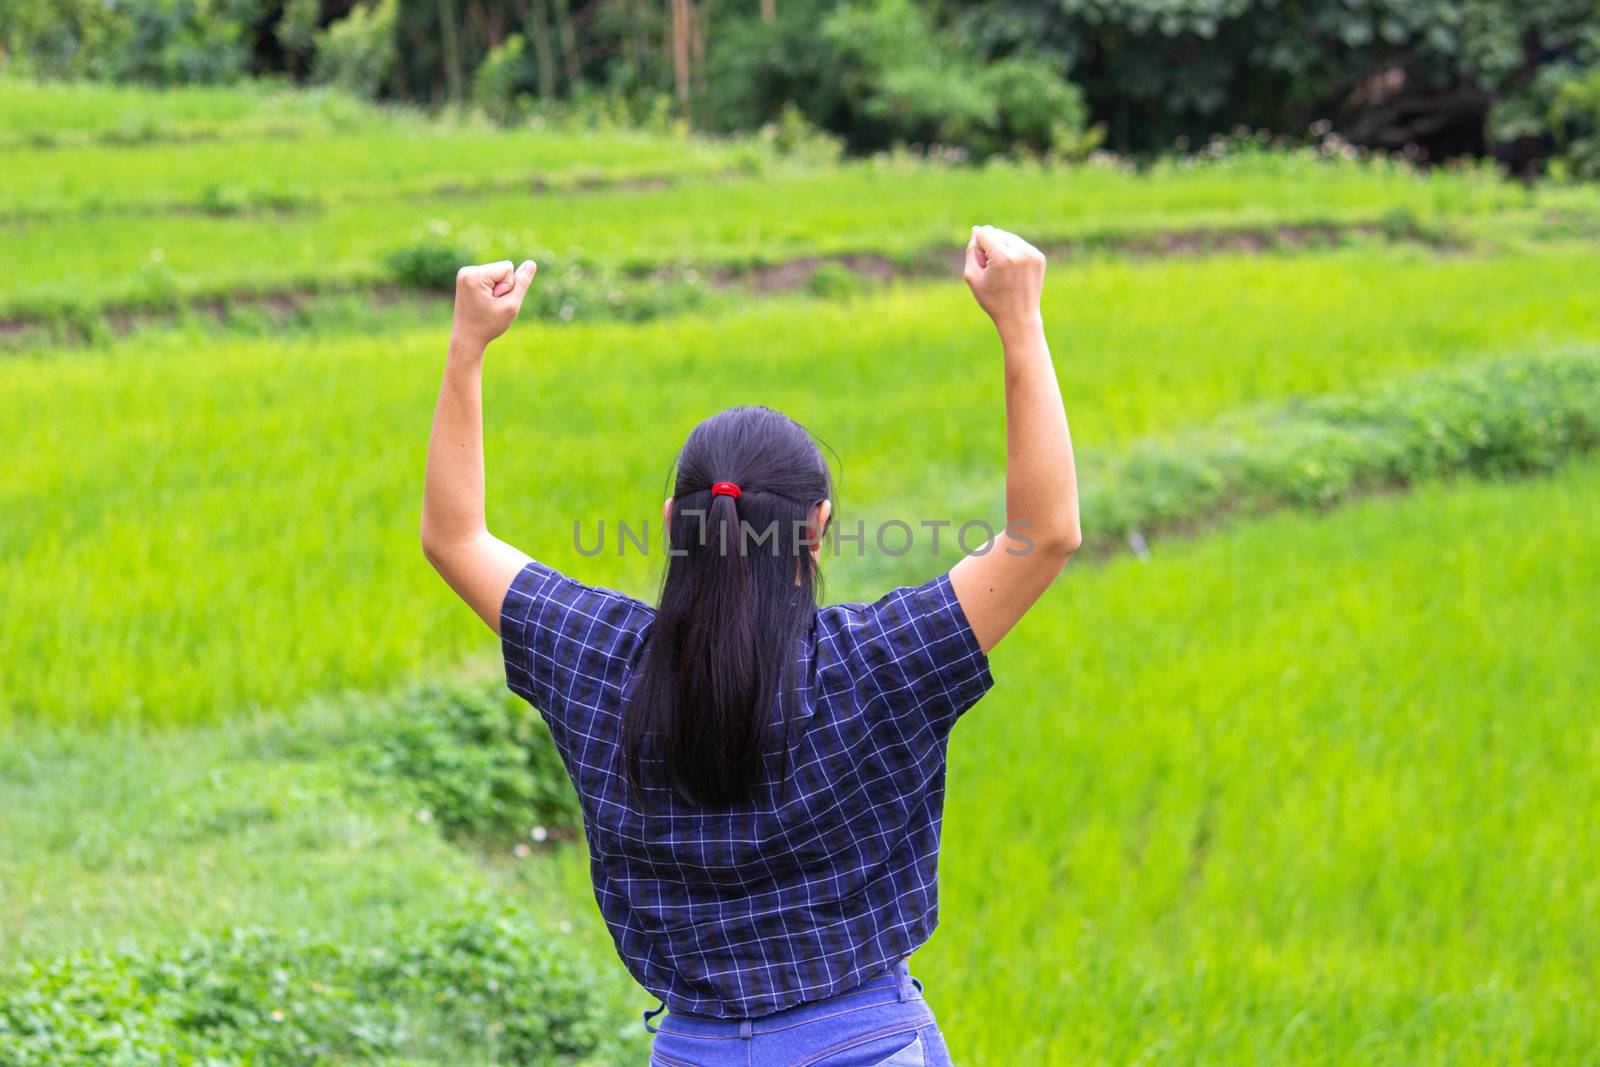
(726, 489)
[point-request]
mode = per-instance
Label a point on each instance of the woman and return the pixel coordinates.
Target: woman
(762, 781)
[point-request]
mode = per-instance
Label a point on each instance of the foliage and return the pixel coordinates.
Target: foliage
(1574, 119)
(1556, 111)
(358, 52)
(485, 977)
(1388, 73)
(478, 760)
(878, 74)
(986, 75)
(834, 280)
(792, 136)
(428, 264)
(297, 31)
(496, 82)
(173, 42)
(164, 42)
(1506, 417)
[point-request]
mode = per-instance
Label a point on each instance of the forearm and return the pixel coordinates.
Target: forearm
(453, 490)
(1041, 479)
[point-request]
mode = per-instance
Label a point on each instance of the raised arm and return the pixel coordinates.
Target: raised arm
(998, 586)
(455, 535)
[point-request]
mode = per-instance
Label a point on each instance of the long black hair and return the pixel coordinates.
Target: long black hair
(740, 588)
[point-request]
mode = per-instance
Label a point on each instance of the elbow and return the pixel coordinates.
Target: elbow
(432, 550)
(446, 552)
(1061, 540)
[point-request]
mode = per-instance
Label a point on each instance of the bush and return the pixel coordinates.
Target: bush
(163, 42)
(479, 760)
(1574, 120)
(358, 53)
(835, 280)
(1506, 417)
(296, 31)
(793, 136)
(428, 265)
(496, 84)
(880, 74)
(1387, 73)
(487, 978)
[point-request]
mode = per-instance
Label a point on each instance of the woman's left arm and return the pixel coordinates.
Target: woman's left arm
(455, 535)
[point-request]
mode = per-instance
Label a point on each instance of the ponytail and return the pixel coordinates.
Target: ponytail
(739, 591)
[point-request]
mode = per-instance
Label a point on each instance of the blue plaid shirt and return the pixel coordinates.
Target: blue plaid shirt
(829, 875)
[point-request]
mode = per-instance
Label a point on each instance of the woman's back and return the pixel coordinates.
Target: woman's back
(826, 875)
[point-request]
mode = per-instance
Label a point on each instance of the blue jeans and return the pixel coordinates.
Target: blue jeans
(883, 1022)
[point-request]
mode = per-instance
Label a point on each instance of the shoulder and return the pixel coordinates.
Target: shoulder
(905, 617)
(568, 646)
(542, 595)
(908, 663)
(913, 643)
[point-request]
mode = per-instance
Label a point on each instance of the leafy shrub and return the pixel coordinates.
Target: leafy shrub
(1504, 417)
(427, 264)
(1386, 73)
(1574, 118)
(793, 136)
(1400, 224)
(834, 280)
(163, 42)
(496, 82)
(358, 53)
(297, 30)
(485, 978)
(479, 760)
(504, 980)
(879, 73)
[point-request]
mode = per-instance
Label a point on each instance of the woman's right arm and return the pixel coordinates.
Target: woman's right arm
(997, 587)
(455, 536)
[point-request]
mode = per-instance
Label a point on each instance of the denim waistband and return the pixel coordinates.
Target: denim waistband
(894, 985)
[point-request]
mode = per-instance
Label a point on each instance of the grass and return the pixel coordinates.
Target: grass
(138, 839)
(900, 209)
(141, 848)
(38, 113)
(315, 171)
(244, 515)
(1315, 790)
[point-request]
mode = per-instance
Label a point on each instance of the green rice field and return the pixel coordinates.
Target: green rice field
(1313, 786)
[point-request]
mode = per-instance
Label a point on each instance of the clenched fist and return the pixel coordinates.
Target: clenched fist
(488, 298)
(1006, 274)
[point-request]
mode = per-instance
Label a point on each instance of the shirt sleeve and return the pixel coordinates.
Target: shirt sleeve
(568, 647)
(913, 657)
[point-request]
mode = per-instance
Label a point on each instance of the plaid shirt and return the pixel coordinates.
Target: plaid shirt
(828, 875)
